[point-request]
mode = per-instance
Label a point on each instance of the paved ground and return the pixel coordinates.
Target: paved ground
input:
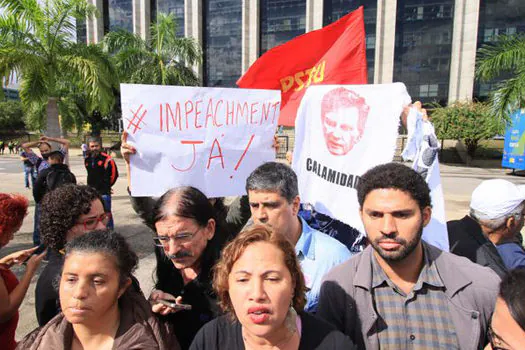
(458, 183)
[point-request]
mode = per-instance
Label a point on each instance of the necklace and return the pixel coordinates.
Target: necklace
(279, 345)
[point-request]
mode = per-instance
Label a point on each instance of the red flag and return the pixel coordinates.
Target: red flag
(335, 54)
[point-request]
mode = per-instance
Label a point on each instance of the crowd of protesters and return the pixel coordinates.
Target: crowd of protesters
(264, 272)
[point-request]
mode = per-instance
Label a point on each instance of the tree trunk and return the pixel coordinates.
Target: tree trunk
(52, 122)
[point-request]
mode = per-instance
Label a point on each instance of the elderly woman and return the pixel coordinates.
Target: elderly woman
(507, 328)
(260, 286)
(13, 209)
(189, 241)
(67, 212)
(99, 308)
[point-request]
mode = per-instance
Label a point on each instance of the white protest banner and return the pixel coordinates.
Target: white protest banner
(209, 138)
(422, 147)
(341, 131)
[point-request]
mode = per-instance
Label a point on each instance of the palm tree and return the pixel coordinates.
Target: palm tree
(504, 56)
(36, 42)
(165, 59)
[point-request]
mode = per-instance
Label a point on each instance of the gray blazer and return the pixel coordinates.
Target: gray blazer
(471, 289)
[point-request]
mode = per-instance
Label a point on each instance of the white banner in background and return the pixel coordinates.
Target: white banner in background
(209, 138)
(341, 131)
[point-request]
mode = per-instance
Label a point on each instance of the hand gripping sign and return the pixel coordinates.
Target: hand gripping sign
(209, 138)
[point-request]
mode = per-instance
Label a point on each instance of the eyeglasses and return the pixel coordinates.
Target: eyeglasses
(494, 339)
(179, 238)
(91, 223)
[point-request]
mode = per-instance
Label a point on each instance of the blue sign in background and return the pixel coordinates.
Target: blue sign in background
(514, 149)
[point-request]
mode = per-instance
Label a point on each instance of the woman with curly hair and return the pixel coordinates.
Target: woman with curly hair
(67, 212)
(13, 209)
(260, 286)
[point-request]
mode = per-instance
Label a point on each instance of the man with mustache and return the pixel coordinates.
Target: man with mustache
(102, 172)
(41, 163)
(273, 194)
(400, 292)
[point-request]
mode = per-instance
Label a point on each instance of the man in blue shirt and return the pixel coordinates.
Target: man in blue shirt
(274, 200)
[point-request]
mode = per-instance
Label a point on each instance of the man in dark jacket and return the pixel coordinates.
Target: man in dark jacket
(496, 217)
(102, 172)
(50, 178)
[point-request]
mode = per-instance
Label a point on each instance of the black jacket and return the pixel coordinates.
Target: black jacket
(40, 186)
(102, 172)
(467, 239)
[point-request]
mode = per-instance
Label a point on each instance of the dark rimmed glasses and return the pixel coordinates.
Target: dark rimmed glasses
(91, 223)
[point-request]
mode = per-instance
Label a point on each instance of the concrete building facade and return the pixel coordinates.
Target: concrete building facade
(430, 45)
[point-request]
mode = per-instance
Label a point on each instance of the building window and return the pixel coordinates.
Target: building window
(497, 17)
(281, 21)
(428, 90)
(423, 48)
(222, 21)
(120, 15)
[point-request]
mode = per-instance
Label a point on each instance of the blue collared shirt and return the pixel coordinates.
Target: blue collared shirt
(317, 253)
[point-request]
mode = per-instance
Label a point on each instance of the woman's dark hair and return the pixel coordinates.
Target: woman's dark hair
(60, 210)
(109, 243)
(187, 202)
(512, 291)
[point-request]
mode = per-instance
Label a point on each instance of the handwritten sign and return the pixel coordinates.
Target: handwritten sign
(209, 138)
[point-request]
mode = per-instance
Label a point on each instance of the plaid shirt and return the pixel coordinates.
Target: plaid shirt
(419, 320)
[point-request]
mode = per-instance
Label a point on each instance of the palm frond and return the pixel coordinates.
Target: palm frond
(120, 39)
(92, 67)
(509, 96)
(506, 54)
(33, 87)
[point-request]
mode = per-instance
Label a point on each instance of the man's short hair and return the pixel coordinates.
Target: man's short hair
(56, 156)
(94, 139)
(274, 177)
(395, 176)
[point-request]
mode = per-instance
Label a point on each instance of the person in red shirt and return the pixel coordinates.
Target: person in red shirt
(13, 209)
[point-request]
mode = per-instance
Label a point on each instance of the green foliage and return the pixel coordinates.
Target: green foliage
(36, 43)
(165, 59)
(11, 116)
(470, 122)
(506, 55)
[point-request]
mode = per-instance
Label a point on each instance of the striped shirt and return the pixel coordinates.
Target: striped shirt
(419, 320)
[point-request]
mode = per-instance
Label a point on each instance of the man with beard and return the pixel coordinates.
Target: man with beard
(40, 164)
(400, 292)
(102, 172)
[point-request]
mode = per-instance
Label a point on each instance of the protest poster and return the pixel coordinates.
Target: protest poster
(341, 131)
(209, 138)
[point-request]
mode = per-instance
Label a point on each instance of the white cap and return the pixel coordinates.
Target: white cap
(496, 198)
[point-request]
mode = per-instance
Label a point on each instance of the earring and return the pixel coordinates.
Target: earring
(291, 318)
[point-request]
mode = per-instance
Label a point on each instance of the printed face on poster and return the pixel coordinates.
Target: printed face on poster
(341, 131)
(209, 138)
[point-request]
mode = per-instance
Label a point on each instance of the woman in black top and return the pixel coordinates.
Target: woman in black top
(259, 284)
